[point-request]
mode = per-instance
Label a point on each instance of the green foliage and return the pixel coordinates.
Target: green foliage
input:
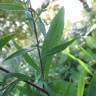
(12, 6)
(92, 87)
(28, 58)
(9, 88)
(4, 39)
(17, 53)
(81, 84)
(83, 64)
(19, 76)
(58, 48)
(33, 64)
(52, 39)
(41, 26)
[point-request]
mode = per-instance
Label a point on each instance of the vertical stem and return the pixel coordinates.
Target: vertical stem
(35, 30)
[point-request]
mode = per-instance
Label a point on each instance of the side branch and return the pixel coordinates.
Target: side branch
(28, 82)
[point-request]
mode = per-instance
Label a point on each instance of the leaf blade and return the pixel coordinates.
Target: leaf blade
(92, 86)
(15, 54)
(9, 88)
(59, 48)
(83, 64)
(31, 62)
(53, 38)
(5, 39)
(11, 6)
(81, 84)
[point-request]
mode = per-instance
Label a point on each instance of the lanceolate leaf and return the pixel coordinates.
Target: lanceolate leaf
(20, 76)
(28, 58)
(41, 26)
(30, 61)
(58, 48)
(12, 6)
(4, 39)
(88, 52)
(52, 39)
(17, 53)
(9, 88)
(81, 84)
(92, 86)
(83, 64)
(28, 14)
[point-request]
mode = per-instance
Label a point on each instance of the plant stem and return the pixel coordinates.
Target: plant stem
(28, 82)
(35, 30)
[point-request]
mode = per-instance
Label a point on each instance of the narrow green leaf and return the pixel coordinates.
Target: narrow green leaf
(30, 22)
(88, 53)
(83, 64)
(81, 84)
(53, 38)
(4, 39)
(67, 91)
(31, 91)
(92, 86)
(59, 48)
(41, 26)
(9, 88)
(28, 58)
(94, 1)
(20, 76)
(11, 6)
(17, 53)
(30, 61)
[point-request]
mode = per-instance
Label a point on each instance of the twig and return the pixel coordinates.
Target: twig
(28, 82)
(4, 70)
(34, 85)
(35, 30)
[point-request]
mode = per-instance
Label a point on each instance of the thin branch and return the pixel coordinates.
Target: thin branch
(35, 30)
(28, 82)
(38, 87)
(4, 70)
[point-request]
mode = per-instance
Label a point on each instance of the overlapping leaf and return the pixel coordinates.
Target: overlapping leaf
(59, 48)
(9, 89)
(92, 86)
(83, 64)
(28, 58)
(17, 53)
(52, 39)
(4, 39)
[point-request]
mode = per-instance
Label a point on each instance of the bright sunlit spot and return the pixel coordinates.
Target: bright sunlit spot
(73, 9)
